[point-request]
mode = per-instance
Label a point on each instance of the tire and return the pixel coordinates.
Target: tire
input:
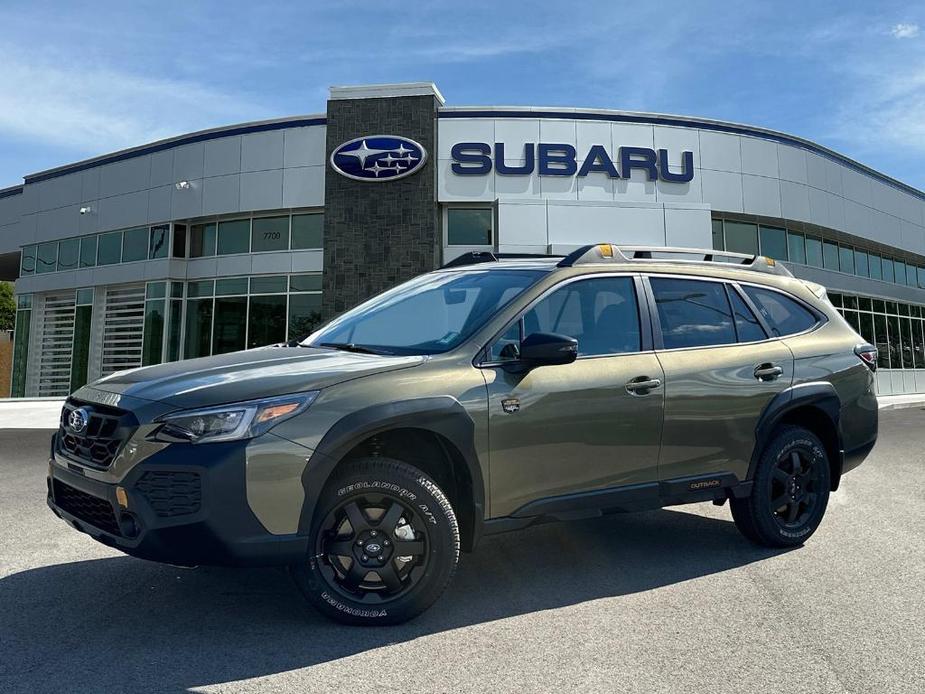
(790, 491)
(385, 505)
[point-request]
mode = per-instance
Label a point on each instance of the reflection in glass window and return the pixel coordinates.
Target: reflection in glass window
(88, 251)
(160, 241)
(813, 251)
(861, 266)
(68, 254)
(876, 266)
(134, 245)
(269, 284)
(601, 313)
(469, 226)
(234, 237)
(304, 315)
(109, 251)
(305, 283)
(202, 240)
(830, 255)
(899, 270)
(46, 258)
(693, 313)
(270, 234)
(887, 265)
(783, 315)
(741, 237)
(27, 262)
(198, 328)
(773, 242)
(846, 259)
(230, 324)
(267, 321)
(795, 248)
(911, 279)
(307, 230)
(748, 328)
(153, 345)
(882, 341)
(718, 243)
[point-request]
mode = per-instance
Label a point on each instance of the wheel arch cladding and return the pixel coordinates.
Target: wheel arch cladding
(815, 406)
(434, 434)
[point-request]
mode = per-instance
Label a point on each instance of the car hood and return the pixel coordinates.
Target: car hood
(247, 375)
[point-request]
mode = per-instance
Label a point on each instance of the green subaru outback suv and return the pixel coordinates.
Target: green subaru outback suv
(487, 396)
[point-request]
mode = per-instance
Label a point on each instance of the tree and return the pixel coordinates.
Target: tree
(7, 306)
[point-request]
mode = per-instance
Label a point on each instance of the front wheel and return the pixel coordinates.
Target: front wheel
(790, 491)
(384, 544)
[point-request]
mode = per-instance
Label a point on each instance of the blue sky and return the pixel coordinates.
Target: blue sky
(81, 79)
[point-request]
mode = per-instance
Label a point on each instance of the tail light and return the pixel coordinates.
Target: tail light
(867, 354)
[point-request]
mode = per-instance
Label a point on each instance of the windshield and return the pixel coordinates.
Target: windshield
(430, 314)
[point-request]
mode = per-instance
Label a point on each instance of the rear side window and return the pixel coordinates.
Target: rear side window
(693, 313)
(747, 325)
(782, 314)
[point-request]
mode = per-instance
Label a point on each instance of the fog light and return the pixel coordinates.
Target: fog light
(128, 525)
(121, 497)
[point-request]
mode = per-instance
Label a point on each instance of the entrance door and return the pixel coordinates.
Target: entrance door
(579, 427)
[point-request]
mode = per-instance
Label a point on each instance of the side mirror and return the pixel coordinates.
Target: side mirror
(548, 349)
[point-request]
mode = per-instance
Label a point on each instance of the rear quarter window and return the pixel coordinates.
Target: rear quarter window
(784, 316)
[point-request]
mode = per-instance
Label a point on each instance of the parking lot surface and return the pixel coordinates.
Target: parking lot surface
(667, 601)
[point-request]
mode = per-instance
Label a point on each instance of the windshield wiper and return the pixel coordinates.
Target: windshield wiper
(351, 347)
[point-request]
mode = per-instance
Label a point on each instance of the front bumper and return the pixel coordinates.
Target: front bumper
(184, 505)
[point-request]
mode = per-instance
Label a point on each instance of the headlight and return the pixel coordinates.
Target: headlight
(240, 420)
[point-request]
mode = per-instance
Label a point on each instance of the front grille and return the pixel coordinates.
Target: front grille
(85, 507)
(171, 493)
(99, 443)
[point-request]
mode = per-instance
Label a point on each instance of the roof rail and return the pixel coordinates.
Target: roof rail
(475, 257)
(608, 252)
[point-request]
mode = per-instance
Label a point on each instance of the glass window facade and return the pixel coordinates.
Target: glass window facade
(307, 230)
(469, 226)
(159, 244)
(201, 240)
(270, 234)
(68, 254)
(134, 245)
(796, 247)
(109, 249)
(896, 329)
(234, 237)
(46, 258)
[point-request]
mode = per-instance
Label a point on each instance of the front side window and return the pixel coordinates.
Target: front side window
(430, 314)
(602, 313)
(693, 313)
(783, 315)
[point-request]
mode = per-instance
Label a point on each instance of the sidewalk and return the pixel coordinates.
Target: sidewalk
(43, 413)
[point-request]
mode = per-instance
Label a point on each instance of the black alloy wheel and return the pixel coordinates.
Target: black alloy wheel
(794, 488)
(383, 545)
(374, 548)
(790, 490)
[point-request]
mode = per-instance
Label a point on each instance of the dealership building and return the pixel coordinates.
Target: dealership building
(252, 234)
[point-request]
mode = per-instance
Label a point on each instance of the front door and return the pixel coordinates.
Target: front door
(589, 425)
(721, 370)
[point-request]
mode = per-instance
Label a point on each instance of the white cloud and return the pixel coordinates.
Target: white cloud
(905, 31)
(92, 109)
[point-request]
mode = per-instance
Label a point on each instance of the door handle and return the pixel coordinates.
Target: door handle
(768, 372)
(642, 385)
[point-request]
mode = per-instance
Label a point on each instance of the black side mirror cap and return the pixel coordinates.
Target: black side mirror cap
(548, 349)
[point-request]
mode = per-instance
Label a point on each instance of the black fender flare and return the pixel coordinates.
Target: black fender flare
(443, 415)
(818, 394)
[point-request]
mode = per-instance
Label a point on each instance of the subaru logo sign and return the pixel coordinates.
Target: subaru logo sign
(77, 420)
(378, 158)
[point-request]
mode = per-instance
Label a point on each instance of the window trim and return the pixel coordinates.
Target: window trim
(480, 360)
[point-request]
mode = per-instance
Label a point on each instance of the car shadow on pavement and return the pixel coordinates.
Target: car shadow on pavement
(126, 624)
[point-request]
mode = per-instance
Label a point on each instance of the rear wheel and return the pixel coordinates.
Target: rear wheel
(790, 491)
(384, 544)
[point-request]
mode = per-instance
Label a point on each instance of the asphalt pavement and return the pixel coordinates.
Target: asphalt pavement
(667, 601)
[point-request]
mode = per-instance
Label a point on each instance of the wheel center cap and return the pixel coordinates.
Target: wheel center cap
(373, 548)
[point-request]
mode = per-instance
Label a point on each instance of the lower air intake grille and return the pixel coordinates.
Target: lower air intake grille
(171, 493)
(86, 508)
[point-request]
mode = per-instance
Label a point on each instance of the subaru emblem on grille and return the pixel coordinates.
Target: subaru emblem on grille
(77, 420)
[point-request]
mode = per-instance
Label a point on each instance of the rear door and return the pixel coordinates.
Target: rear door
(721, 370)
